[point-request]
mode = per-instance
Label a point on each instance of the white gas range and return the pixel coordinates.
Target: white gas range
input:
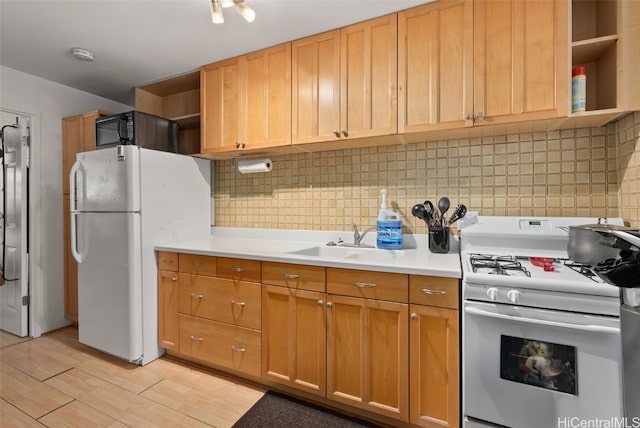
(541, 335)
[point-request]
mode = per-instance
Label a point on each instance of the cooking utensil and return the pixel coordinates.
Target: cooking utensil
(419, 211)
(430, 212)
(584, 242)
(443, 207)
(543, 262)
(458, 213)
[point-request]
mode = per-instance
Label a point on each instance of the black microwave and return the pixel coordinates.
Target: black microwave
(139, 129)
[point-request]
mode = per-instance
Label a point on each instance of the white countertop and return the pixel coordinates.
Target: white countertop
(309, 248)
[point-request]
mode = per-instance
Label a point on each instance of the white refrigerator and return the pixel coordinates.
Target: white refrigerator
(124, 201)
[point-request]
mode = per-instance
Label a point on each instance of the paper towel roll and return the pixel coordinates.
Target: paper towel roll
(254, 165)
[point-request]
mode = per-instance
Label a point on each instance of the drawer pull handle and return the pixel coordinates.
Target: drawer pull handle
(427, 291)
(329, 305)
(197, 339)
(233, 302)
(197, 296)
(291, 276)
(234, 349)
(365, 284)
(238, 269)
(174, 279)
(414, 316)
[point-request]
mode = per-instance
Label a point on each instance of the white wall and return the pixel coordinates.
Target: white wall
(47, 103)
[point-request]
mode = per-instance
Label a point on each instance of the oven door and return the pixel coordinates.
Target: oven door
(532, 368)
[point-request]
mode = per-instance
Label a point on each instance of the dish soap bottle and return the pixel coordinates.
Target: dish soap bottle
(389, 227)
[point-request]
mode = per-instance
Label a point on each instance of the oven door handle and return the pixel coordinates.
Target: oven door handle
(590, 328)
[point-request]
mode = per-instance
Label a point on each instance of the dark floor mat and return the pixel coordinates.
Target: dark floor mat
(277, 410)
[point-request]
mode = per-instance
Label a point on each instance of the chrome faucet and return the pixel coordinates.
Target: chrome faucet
(357, 237)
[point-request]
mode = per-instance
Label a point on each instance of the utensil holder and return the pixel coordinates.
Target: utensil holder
(439, 239)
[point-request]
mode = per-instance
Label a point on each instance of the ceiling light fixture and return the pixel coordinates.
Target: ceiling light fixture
(216, 10)
(83, 54)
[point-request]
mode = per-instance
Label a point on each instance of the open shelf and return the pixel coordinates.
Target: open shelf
(176, 98)
(590, 50)
(595, 37)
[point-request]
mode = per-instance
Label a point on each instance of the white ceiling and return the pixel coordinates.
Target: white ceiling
(141, 41)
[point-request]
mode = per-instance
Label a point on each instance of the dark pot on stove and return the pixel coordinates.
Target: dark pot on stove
(623, 271)
(585, 243)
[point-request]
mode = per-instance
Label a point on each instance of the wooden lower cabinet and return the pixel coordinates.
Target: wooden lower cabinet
(380, 342)
(294, 338)
(221, 344)
(220, 299)
(434, 362)
(367, 355)
(168, 304)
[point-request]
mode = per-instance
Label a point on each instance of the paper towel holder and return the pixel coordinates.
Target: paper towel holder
(249, 166)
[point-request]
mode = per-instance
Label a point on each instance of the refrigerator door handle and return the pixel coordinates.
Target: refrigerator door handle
(72, 185)
(73, 209)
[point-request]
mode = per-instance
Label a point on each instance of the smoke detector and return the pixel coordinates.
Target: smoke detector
(83, 54)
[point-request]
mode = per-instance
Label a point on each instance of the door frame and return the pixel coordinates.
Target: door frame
(34, 278)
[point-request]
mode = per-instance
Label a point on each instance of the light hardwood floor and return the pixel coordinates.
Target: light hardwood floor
(55, 381)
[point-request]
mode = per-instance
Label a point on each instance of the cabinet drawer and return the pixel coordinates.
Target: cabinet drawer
(167, 261)
(372, 285)
(303, 277)
(196, 263)
(223, 344)
(238, 269)
(434, 291)
(221, 299)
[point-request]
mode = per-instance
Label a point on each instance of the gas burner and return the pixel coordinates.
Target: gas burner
(497, 265)
(583, 269)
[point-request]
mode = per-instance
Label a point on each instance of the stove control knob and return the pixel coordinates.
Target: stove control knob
(492, 293)
(513, 296)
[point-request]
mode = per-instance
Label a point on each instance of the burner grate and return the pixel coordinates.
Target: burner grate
(583, 269)
(497, 265)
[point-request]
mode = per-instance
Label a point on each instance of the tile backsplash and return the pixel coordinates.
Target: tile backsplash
(628, 135)
(578, 172)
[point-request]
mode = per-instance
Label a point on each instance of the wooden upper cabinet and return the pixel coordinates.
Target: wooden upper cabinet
(369, 64)
(520, 60)
(78, 135)
(268, 97)
(345, 82)
(220, 105)
(246, 101)
(316, 88)
(435, 66)
(466, 63)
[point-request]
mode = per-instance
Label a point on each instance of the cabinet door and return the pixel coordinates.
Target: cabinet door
(434, 367)
(89, 130)
(294, 338)
(221, 102)
(70, 267)
(267, 118)
(435, 66)
(520, 60)
(72, 143)
(368, 90)
(316, 88)
(168, 308)
(367, 355)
